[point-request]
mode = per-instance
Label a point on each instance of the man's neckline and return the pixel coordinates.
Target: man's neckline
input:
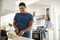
(24, 13)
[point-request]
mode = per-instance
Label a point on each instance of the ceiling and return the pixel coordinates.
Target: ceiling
(8, 6)
(27, 2)
(46, 2)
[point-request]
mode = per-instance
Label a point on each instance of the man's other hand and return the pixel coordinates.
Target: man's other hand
(16, 30)
(21, 33)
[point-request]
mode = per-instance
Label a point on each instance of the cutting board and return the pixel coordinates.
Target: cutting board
(20, 38)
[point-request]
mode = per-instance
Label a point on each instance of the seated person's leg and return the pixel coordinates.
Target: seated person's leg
(44, 33)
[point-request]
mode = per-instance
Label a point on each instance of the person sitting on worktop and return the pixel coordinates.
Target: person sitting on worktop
(23, 21)
(48, 25)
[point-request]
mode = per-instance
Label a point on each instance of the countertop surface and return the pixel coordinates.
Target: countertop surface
(12, 33)
(20, 38)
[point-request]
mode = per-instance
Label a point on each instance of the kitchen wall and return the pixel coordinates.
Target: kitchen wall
(0, 5)
(56, 19)
(0, 10)
(8, 6)
(59, 25)
(40, 9)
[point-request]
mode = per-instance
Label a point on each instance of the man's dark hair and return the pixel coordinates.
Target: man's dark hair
(22, 4)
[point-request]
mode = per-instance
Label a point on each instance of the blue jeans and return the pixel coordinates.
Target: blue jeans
(44, 34)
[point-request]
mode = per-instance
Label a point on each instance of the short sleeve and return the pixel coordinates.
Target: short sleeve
(31, 18)
(15, 16)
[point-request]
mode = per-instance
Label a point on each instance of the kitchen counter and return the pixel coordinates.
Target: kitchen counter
(12, 36)
(20, 38)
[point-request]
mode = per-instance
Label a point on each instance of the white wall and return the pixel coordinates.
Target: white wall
(0, 10)
(59, 25)
(0, 5)
(56, 13)
(39, 9)
(58, 18)
(9, 4)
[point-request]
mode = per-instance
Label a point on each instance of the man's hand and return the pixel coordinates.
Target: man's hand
(20, 33)
(16, 30)
(14, 24)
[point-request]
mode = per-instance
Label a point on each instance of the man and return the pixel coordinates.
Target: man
(23, 21)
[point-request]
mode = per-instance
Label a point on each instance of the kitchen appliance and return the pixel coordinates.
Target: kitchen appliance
(37, 35)
(3, 35)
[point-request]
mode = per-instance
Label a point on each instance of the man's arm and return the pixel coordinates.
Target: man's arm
(28, 27)
(14, 24)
